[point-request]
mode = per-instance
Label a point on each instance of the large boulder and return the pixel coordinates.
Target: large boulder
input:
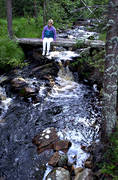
(58, 174)
(49, 139)
(18, 83)
(46, 139)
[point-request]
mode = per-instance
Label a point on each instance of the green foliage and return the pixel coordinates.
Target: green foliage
(3, 27)
(28, 27)
(80, 43)
(95, 60)
(110, 164)
(98, 59)
(102, 36)
(23, 7)
(10, 54)
(23, 27)
(63, 12)
(2, 9)
(59, 11)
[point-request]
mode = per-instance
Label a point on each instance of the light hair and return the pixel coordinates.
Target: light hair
(50, 21)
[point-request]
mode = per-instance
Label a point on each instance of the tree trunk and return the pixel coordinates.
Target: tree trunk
(9, 18)
(111, 67)
(44, 12)
(35, 9)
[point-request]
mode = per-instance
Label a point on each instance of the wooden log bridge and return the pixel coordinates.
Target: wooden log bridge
(63, 42)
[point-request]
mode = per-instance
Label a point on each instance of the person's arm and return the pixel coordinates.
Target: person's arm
(43, 32)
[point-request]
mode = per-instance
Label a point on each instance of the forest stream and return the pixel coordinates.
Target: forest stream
(70, 106)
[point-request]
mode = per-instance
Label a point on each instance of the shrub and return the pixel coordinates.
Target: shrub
(28, 27)
(11, 55)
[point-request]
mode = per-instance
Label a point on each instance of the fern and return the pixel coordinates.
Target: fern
(10, 54)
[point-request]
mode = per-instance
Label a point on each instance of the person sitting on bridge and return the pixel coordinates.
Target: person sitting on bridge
(48, 35)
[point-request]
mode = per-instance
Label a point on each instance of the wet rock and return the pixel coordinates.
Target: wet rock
(78, 170)
(46, 139)
(2, 120)
(37, 55)
(18, 83)
(45, 70)
(62, 145)
(88, 164)
(96, 149)
(35, 99)
(63, 161)
(3, 79)
(40, 165)
(86, 174)
(97, 152)
(27, 92)
(2, 97)
(87, 148)
(84, 148)
(58, 174)
(54, 159)
(3, 178)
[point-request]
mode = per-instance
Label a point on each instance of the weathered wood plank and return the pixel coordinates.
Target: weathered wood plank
(63, 42)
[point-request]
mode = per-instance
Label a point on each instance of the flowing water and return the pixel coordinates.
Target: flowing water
(71, 107)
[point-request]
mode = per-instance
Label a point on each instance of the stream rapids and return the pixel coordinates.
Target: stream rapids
(71, 107)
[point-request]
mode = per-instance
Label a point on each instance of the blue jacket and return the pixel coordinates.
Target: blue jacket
(49, 32)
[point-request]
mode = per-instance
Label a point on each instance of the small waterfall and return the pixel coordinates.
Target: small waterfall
(65, 73)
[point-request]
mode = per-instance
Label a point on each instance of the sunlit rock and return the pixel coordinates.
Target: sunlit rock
(78, 170)
(58, 174)
(43, 143)
(3, 79)
(49, 139)
(54, 159)
(86, 174)
(18, 82)
(2, 97)
(62, 145)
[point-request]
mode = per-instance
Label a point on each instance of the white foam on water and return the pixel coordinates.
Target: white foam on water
(48, 170)
(5, 102)
(63, 55)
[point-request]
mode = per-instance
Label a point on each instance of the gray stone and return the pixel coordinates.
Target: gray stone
(86, 174)
(58, 174)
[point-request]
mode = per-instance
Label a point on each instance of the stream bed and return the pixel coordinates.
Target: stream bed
(71, 107)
